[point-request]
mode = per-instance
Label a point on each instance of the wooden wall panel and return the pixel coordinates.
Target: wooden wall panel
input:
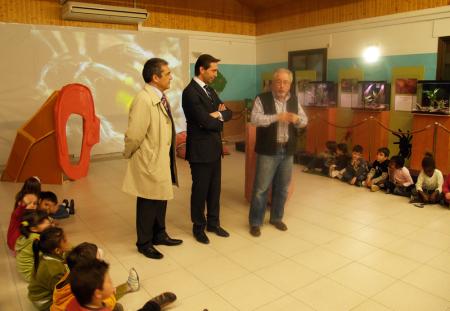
(226, 16)
(305, 13)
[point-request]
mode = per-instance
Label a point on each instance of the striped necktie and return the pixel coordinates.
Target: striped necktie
(165, 103)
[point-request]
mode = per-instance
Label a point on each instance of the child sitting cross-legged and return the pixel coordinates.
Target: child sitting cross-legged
(91, 284)
(428, 188)
(378, 173)
(340, 162)
(30, 228)
(26, 200)
(356, 172)
(400, 181)
(49, 266)
(322, 162)
(85, 252)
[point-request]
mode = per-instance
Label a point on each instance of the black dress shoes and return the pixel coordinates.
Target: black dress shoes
(167, 241)
(151, 252)
(201, 237)
(218, 230)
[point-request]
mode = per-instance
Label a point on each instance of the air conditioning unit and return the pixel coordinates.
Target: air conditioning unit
(79, 11)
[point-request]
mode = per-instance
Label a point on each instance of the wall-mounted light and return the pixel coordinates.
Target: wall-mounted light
(371, 54)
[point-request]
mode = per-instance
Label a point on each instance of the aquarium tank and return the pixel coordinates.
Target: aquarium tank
(373, 95)
(432, 97)
(320, 94)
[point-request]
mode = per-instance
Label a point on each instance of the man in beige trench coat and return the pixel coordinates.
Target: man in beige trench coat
(150, 148)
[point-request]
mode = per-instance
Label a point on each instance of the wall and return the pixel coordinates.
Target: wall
(406, 39)
(306, 13)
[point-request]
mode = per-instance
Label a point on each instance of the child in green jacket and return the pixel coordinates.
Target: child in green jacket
(30, 228)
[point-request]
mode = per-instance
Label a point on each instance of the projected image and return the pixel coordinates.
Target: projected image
(110, 63)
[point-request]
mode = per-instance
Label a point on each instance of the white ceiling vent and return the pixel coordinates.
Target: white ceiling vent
(79, 11)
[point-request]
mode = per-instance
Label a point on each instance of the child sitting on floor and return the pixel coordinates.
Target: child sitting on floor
(429, 183)
(26, 200)
(400, 181)
(49, 267)
(323, 160)
(62, 295)
(340, 162)
(446, 191)
(91, 284)
(30, 228)
(356, 172)
(48, 201)
(378, 174)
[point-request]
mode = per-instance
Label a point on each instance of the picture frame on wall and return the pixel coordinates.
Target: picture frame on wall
(405, 95)
(349, 93)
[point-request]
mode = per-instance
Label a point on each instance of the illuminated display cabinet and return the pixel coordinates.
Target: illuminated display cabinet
(432, 97)
(373, 96)
(320, 94)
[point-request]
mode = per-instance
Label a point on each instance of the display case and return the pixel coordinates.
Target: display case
(320, 94)
(373, 96)
(432, 97)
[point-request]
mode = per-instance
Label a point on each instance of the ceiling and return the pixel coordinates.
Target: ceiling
(257, 5)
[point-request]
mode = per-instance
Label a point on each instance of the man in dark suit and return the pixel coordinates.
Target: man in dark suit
(205, 114)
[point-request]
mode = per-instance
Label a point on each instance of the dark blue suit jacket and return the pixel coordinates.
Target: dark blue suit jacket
(203, 142)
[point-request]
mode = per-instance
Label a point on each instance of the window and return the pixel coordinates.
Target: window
(443, 59)
(309, 60)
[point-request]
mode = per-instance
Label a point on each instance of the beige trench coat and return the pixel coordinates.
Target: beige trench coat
(150, 148)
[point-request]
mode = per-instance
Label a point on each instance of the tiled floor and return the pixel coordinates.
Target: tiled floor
(346, 248)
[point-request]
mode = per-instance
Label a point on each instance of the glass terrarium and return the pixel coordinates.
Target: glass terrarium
(320, 94)
(373, 95)
(432, 97)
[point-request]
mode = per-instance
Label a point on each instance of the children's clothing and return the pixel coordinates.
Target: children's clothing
(24, 255)
(357, 168)
(14, 225)
(62, 295)
(379, 172)
(50, 271)
(428, 185)
(446, 189)
(400, 182)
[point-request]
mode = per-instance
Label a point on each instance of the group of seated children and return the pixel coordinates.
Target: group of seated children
(59, 277)
(390, 175)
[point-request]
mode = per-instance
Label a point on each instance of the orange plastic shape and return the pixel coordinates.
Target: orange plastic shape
(75, 99)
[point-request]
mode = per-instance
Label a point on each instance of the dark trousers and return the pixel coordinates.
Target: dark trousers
(397, 189)
(206, 183)
(150, 221)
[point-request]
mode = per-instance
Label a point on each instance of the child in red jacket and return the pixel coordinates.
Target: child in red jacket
(26, 199)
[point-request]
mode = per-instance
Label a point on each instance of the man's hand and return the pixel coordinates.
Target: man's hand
(283, 117)
(222, 107)
(293, 118)
(215, 114)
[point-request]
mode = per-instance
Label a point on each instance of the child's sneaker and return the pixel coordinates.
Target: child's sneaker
(72, 207)
(374, 188)
(133, 280)
(164, 299)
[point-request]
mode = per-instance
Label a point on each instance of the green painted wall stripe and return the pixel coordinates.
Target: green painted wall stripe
(241, 81)
(382, 69)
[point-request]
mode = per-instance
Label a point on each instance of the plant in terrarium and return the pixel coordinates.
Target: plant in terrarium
(435, 103)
